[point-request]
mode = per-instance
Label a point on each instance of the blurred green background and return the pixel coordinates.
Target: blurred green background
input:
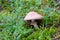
(13, 27)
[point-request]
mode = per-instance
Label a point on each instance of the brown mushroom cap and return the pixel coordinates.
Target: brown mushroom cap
(32, 16)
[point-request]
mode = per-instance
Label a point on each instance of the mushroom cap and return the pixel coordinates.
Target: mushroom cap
(32, 16)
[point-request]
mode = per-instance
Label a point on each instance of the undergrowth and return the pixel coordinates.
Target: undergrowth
(12, 24)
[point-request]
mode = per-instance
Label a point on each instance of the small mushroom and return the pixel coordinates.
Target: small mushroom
(32, 16)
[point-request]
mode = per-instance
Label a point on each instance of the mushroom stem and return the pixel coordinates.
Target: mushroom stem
(34, 24)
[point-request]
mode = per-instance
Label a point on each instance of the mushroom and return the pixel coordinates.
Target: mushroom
(32, 16)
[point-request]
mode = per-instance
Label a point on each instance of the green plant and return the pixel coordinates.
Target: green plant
(42, 34)
(12, 24)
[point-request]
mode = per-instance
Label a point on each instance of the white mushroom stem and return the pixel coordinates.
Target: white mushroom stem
(34, 23)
